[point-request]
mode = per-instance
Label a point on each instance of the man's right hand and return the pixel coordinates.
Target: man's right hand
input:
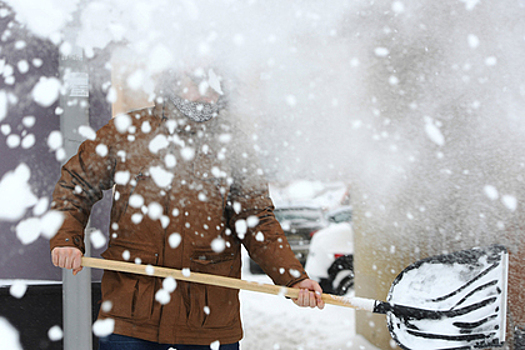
(67, 258)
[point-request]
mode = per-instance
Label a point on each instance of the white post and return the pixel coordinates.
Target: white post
(75, 112)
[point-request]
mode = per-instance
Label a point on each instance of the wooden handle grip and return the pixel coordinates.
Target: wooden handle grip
(221, 281)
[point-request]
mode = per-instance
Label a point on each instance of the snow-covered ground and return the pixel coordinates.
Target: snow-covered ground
(275, 323)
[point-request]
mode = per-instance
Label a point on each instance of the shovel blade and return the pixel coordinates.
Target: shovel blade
(463, 294)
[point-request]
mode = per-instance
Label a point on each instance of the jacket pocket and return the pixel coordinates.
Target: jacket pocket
(213, 307)
(131, 295)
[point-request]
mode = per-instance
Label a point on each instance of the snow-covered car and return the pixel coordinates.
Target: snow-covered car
(331, 258)
(340, 214)
(299, 223)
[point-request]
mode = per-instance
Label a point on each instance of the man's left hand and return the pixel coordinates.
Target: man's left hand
(309, 294)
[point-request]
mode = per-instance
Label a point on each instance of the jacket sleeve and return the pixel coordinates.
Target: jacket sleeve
(254, 222)
(82, 180)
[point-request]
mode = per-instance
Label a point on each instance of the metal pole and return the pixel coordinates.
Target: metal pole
(74, 103)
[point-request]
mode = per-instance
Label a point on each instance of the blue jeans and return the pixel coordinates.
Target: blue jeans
(122, 342)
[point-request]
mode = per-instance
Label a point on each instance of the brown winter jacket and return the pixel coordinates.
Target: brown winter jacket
(192, 209)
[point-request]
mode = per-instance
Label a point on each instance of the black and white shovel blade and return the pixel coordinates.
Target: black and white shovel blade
(463, 296)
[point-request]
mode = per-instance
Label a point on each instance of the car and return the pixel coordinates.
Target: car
(299, 223)
(340, 214)
(331, 258)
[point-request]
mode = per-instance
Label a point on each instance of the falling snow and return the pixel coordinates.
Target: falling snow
(87, 132)
(97, 239)
(218, 245)
(122, 177)
(55, 333)
(162, 296)
(161, 176)
(103, 328)
(330, 93)
(434, 134)
(510, 202)
(18, 289)
(215, 345)
(381, 51)
(491, 192)
(3, 105)
(46, 91)
(55, 140)
(9, 336)
(102, 150)
(122, 123)
(169, 284)
(174, 240)
(241, 228)
(155, 210)
(14, 185)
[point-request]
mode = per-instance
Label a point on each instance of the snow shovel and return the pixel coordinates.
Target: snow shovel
(451, 301)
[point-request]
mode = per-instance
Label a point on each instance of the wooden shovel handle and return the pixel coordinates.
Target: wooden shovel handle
(221, 281)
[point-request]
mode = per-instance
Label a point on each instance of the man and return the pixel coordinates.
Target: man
(187, 193)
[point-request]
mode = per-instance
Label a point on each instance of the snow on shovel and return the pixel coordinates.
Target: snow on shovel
(451, 301)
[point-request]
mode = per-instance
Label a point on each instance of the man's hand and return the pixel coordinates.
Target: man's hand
(67, 258)
(309, 294)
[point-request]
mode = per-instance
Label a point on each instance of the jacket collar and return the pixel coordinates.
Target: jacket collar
(175, 121)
